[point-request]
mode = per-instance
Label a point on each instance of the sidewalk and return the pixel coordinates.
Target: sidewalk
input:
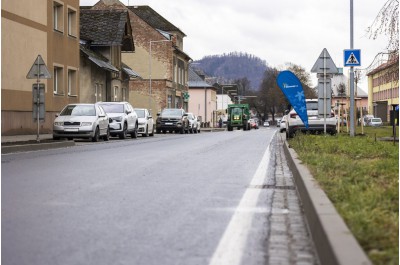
(25, 143)
(25, 138)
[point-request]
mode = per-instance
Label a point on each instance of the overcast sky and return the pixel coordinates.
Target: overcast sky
(276, 31)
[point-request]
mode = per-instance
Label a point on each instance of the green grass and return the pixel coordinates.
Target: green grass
(360, 176)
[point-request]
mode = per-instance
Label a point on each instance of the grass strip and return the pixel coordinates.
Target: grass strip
(360, 177)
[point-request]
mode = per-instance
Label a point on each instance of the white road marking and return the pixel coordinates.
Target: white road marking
(231, 246)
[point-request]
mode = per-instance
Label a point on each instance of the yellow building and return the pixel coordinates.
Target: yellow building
(49, 28)
(383, 85)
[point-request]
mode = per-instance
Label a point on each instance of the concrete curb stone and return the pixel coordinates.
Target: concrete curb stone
(24, 147)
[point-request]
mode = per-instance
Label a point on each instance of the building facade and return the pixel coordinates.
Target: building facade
(203, 99)
(52, 31)
(383, 85)
(159, 59)
(105, 35)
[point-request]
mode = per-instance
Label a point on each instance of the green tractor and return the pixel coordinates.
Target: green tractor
(238, 116)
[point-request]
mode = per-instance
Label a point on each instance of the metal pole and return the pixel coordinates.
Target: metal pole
(351, 75)
(38, 101)
(150, 78)
(324, 91)
(205, 104)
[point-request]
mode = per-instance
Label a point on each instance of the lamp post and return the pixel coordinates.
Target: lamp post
(150, 64)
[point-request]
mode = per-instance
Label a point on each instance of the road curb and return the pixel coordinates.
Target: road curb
(34, 147)
(334, 242)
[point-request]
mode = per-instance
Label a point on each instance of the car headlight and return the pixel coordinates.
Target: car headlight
(58, 123)
(86, 124)
(118, 119)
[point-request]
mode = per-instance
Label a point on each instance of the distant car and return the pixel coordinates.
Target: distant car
(282, 124)
(87, 121)
(172, 120)
(145, 122)
(266, 124)
(253, 124)
(194, 125)
(124, 119)
(367, 118)
(375, 122)
(316, 123)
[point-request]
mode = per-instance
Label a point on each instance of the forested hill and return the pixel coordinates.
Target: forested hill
(234, 66)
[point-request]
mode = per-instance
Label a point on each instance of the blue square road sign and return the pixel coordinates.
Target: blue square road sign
(352, 57)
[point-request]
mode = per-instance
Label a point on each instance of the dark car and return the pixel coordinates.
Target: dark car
(172, 120)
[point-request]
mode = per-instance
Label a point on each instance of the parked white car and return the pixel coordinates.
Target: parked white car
(146, 122)
(124, 119)
(194, 124)
(316, 123)
(88, 121)
(375, 122)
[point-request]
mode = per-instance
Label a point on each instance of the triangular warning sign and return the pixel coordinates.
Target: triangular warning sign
(352, 59)
(324, 64)
(38, 70)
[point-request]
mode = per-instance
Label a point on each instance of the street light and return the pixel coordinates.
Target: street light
(150, 91)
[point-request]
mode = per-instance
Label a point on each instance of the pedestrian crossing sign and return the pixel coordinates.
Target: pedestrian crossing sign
(352, 57)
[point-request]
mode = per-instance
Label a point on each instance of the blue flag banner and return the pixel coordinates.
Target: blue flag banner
(293, 91)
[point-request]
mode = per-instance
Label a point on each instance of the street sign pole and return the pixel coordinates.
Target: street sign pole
(37, 71)
(38, 101)
(352, 129)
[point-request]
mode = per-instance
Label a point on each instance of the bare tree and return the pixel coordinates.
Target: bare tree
(386, 22)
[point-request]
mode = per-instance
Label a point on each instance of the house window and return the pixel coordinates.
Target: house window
(115, 93)
(96, 92)
(72, 91)
(123, 94)
(72, 22)
(169, 101)
(58, 17)
(58, 81)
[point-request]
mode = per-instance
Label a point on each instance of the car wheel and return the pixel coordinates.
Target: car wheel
(96, 136)
(289, 134)
(152, 132)
(56, 138)
(134, 133)
(123, 133)
(146, 133)
(107, 136)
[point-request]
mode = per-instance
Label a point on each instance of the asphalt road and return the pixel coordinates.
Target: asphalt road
(168, 199)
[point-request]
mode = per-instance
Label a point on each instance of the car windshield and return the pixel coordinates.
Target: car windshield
(113, 108)
(140, 113)
(79, 110)
(237, 111)
(171, 112)
(312, 105)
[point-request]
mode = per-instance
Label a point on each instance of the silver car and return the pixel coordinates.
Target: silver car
(146, 122)
(194, 125)
(123, 117)
(88, 121)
